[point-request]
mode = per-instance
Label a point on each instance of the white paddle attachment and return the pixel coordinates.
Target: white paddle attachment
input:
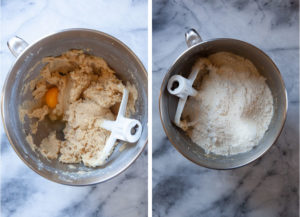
(124, 129)
(182, 88)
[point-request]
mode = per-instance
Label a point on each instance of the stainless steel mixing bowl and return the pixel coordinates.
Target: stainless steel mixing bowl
(28, 65)
(168, 103)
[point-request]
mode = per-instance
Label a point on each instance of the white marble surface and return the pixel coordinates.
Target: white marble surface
(23, 192)
(267, 187)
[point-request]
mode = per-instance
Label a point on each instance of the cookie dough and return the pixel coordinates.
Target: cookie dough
(88, 91)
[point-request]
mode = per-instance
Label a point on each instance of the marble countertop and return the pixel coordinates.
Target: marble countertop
(23, 192)
(267, 187)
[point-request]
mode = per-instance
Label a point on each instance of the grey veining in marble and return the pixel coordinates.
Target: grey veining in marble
(23, 192)
(267, 187)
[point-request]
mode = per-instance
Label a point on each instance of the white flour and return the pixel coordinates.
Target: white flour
(233, 107)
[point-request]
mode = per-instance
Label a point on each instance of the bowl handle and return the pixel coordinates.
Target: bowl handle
(16, 45)
(192, 37)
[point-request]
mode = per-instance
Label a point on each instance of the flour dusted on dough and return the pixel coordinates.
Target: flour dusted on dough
(233, 107)
(88, 91)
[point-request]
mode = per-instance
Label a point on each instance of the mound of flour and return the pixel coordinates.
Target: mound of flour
(233, 107)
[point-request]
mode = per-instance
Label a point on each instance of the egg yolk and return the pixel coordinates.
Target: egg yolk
(51, 97)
